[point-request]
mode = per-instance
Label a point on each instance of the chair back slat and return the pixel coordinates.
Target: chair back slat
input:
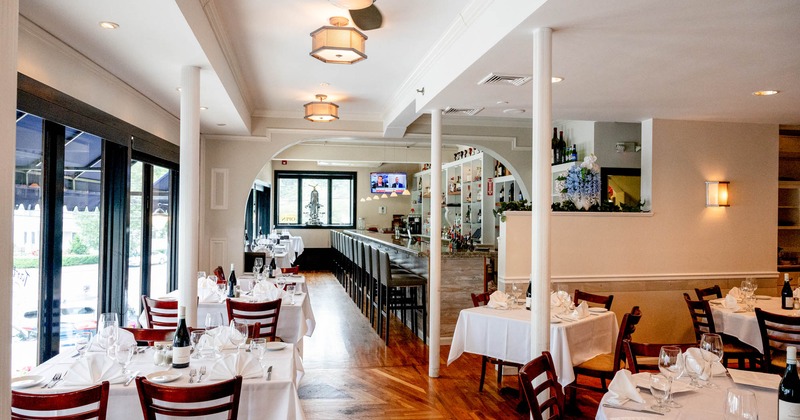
(187, 401)
(91, 402)
(264, 313)
(634, 350)
(590, 298)
(626, 330)
(542, 365)
(160, 313)
(714, 292)
(290, 270)
(480, 298)
(702, 318)
(150, 335)
(777, 332)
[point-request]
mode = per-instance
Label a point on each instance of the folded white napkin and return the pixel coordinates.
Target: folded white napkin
(731, 303)
(498, 300)
(554, 299)
(581, 311)
(265, 291)
(208, 295)
(217, 338)
(695, 360)
(206, 283)
(736, 293)
(100, 344)
(239, 363)
(621, 389)
(93, 369)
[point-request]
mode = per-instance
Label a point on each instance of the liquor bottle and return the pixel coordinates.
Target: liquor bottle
(511, 192)
(528, 297)
(574, 155)
(500, 195)
(272, 268)
(553, 146)
(181, 344)
(789, 389)
(246, 243)
(562, 146)
(232, 283)
(480, 216)
(787, 297)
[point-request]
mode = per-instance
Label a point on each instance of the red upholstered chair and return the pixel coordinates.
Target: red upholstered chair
(93, 402)
(261, 317)
(184, 401)
(160, 313)
(554, 400)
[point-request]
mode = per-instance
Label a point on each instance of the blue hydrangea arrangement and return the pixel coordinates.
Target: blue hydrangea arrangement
(582, 183)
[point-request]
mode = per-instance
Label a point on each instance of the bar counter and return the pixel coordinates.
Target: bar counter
(462, 271)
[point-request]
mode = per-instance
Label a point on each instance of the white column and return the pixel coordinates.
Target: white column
(9, 24)
(435, 264)
(541, 194)
(189, 205)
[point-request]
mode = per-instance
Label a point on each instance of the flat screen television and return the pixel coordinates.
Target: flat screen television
(386, 182)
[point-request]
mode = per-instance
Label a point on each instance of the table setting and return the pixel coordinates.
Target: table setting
(691, 384)
(271, 372)
(501, 329)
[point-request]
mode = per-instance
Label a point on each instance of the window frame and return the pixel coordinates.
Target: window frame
(328, 176)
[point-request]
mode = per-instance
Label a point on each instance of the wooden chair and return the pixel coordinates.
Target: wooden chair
(777, 332)
(291, 270)
(261, 317)
(703, 321)
(478, 300)
(149, 335)
(160, 313)
(605, 366)
(183, 401)
(85, 399)
(590, 298)
(714, 292)
(555, 401)
(649, 354)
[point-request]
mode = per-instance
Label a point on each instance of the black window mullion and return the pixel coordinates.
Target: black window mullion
(330, 202)
(172, 283)
(113, 282)
(147, 211)
(52, 182)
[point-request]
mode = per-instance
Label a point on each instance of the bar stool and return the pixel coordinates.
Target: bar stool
(367, 283)
(410, 285)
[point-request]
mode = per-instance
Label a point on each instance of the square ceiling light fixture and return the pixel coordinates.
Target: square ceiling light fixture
(338, 44)
(321, 111)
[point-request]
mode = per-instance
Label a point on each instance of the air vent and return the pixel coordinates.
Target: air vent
(461, 111)
(499, 79)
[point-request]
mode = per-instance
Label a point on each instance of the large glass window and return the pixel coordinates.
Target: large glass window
(160, 245)
(315, 199)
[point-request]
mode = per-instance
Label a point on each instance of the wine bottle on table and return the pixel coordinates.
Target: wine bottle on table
(528, 297)
(232, 283)
(272, 268)
(787, 296)
(181, 344)
(789, 389)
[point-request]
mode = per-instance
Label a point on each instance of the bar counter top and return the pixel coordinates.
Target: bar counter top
(419, 247)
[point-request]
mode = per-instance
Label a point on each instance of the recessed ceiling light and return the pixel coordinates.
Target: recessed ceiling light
(557, 79)
(221, 125)
(502, 102)
(765, 92)
(203, 108)
(324, 84)
(109, 25)
(514, 111)
(178, 88)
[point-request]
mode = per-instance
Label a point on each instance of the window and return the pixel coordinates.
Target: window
(315, 199)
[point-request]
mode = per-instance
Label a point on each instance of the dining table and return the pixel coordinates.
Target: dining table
(702, 403)
(275, 398)
(506, 334)
(743, 324)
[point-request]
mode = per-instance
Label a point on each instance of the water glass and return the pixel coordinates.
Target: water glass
(83, 343)
(123, 353)
(290, 291)
(659, 388)
(258, 346)
(213, 320)
(740, 404)
(238, 333)
(195, 338)
(712, 344)
(669, 364)
(257, 266)
(515, 291)
(107, 330)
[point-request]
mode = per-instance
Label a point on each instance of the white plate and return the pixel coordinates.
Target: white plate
(642, 380)
(163, 376)
(555, 321)
(276, 345)
(761, 297)
(718, 301)
(26, 381)
(598, 310)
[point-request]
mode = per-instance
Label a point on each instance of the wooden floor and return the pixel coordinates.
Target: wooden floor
(350, 373)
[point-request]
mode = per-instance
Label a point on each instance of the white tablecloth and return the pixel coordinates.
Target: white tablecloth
(744, 325)
(246, 280)
(506, 335)
(704, 403)
(276, 399)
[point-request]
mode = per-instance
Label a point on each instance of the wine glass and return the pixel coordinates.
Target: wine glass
(213, 320)
(669, 364)
(195, 338)
(290, 291)
(221, 288)
(712, 344)
(257, 266)
(107, 330)
(123, 353)
(740, 404)
(515, 291)
(659, 388)
(258, 346)
(238, 333)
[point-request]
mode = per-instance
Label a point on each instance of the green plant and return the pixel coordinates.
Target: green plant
(568, 205)
(520, 205)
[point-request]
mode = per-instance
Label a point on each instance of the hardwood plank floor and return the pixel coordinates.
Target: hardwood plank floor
(350, 373)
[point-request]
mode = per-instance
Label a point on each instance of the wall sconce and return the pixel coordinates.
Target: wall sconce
(717, 194)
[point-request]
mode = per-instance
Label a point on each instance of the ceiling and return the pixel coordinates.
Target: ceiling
(621, 60)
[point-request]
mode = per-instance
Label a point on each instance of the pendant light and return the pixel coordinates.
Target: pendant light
(321, 111)
(338, 44)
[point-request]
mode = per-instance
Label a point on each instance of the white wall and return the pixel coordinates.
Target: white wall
(606, 137)
(683, 238)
